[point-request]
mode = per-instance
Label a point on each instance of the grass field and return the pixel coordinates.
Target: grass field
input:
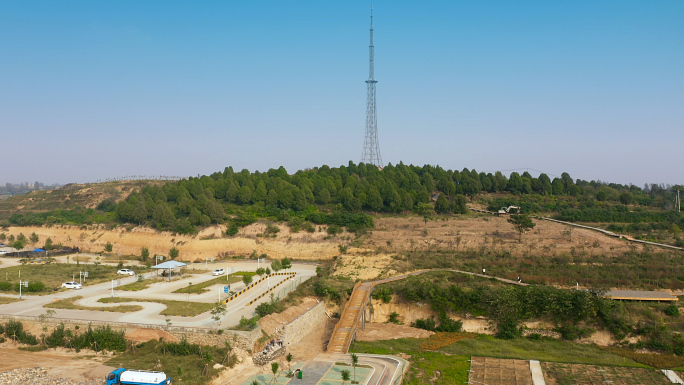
(54, 274)
(5, 300)
(572, 374)
(451, 361)
(188, 369)
(173, 308)
(139, 285)
(69, 303)
(202, 287)
(542, 350)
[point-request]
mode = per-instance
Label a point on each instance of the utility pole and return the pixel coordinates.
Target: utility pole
(371, 147)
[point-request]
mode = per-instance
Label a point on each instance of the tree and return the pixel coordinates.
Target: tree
(626, 198)
(33, 238)
(289, 360)
(260, 271)
(286, 264)
(276, 265)
(345, 376)
(215, 211)
(442, 205)
(108, 247)
(174, 253)
(274, 369)
(144, 254)
(245, 194)
(268, 271)
(458, 206)
(247, 279)
(218, 312)
(355, 363)
(48, 244)
(522, 223)
(426, 211)
(139, 213)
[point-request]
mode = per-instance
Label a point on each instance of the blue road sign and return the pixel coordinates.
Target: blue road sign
(226, 289)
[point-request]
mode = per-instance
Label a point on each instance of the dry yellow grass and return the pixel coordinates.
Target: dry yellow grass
(395, 234)
(301, 246)
(391, 235)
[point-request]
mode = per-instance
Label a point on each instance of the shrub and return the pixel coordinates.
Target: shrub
(508, 330)
(183, 348)
(102, 338)
(58, 337)
(672, 311)
(394, 318)
(15, 329)
(383, 293)
(571, 332)
(425, 323)
(265, 309)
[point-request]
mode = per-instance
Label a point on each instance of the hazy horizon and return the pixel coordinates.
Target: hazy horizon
(92, 91)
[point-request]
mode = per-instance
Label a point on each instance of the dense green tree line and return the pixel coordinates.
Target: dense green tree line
(619, 214)
(240, 196)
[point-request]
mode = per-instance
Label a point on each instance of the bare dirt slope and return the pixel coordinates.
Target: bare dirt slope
(207, 244)
(462, 232)
(378, 332)
(391, 236)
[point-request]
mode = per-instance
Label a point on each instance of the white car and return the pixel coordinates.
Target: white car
(219, 272)
(125, 272)
(72, 285)
(2, 252)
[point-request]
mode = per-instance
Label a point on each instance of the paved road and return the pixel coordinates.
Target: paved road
(33, 305)
(387, 368)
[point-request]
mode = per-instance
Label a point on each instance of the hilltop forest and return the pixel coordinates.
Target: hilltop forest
(343, 197)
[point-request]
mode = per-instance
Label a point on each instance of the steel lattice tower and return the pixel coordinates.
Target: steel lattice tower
(371, 147)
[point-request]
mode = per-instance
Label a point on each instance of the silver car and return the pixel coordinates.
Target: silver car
(72, 285)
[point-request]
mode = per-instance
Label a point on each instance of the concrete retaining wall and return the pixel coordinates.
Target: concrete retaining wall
(305, 324)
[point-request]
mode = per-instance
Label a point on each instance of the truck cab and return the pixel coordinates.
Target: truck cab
(121, 376)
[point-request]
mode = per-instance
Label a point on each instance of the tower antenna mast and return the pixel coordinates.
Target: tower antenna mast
(371, 147)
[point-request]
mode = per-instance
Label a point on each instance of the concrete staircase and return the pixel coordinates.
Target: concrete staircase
(345, 330)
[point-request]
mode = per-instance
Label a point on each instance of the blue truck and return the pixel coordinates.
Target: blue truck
(122, 376)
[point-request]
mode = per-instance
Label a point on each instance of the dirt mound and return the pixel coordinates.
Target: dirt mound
(144, 335)
(376, 332)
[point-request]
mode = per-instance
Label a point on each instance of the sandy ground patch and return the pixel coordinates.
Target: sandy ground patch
(60, 362)
(377, 332)
(144, 335)
(364, 267)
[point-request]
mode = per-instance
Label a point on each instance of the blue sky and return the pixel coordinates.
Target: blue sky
(94, 89)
